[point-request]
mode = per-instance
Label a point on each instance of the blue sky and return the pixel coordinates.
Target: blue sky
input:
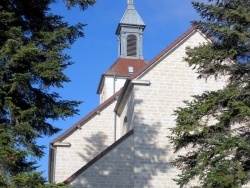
(165, 21)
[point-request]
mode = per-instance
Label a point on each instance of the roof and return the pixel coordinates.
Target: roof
(121, 66)
(121, 69)
(131, 17)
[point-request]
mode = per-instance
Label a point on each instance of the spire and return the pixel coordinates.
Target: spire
(130, 32)
(131, 16)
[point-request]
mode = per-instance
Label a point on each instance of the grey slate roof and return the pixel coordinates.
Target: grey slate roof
(131, 16)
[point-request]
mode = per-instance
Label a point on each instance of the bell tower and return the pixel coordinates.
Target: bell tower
(130, 33)
(130, 58)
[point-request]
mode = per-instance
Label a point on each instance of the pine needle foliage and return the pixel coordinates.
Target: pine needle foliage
(215, 126)
(32, 61)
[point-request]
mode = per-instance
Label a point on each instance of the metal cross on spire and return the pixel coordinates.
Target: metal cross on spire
(130, 2)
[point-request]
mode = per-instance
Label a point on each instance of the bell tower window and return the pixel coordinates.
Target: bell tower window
(131, 45)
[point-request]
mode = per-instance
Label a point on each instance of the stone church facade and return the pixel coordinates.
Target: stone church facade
(123, 142)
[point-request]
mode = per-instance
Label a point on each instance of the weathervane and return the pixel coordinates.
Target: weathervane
(130, 2)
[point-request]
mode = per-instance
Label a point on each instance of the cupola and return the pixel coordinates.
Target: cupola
(130, 61)
(130, 33)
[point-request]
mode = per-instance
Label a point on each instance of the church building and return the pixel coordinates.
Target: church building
(123, 142)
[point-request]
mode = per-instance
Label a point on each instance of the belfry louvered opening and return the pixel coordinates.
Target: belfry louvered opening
(131, 45)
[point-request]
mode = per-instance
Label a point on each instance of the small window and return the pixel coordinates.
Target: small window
(125, 125)
(132, 45)
(130, 70)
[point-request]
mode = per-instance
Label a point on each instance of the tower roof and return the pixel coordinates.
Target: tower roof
(130, 17)
(121, 66)
(121, 69)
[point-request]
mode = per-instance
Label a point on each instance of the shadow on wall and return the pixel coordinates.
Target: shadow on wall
(132, 161)
(150, 153)
(94, 145)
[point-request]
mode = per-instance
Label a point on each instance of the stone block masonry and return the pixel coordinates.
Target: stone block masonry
(88, 141)
(112, 169)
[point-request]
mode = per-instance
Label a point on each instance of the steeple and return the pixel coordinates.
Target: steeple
(130, 60)
(130, 33)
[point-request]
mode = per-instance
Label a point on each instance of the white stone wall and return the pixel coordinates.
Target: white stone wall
(114, 170)
(172, 81)
(111, 85)
(127, 114)
(93, 137)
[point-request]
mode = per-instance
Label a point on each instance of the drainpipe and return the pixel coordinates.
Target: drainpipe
(52, 158)
(119, 47)
(114, 112)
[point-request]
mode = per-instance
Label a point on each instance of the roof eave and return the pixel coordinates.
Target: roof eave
(120, 25)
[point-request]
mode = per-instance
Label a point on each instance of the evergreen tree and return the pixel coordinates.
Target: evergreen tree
(220, 149)
(32, 62)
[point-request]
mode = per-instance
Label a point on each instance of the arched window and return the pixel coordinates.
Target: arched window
(131, 45)
(125, 125)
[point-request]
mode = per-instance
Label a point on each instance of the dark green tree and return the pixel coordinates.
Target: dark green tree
(32, 62)
(220, 149)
